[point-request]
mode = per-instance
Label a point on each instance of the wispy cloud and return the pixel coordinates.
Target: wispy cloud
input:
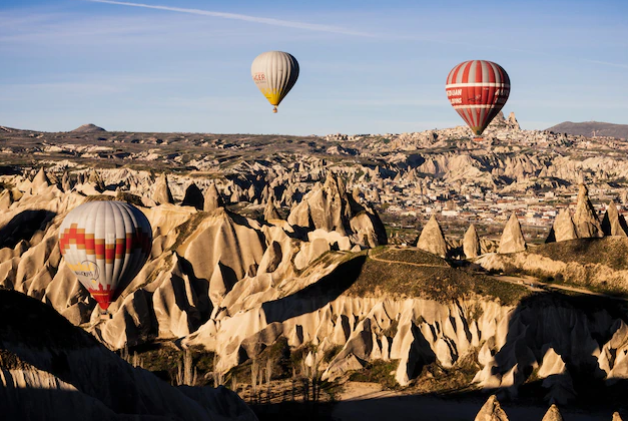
(345, 31)
(235, 16)
(607, 63)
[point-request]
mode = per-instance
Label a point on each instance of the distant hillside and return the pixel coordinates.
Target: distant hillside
(592, 128)
(88, 128)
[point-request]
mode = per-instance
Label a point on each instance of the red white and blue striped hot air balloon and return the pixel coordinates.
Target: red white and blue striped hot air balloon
(478, 90)
(105, 244)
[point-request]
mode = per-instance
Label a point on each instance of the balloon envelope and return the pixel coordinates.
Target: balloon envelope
(478, 90)
(275, 73)
(105, 244)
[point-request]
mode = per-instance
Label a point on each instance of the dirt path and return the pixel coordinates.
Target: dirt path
(534, 284)
(399, 262)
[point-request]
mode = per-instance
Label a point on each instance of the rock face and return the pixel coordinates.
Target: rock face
(162, 194)
(66, 184)
(471, 243)
(613, 223)
(330, 208)
(59, 371)
(491, 411)
(501, 122)
(553, 414)
(6, 200)
(512, 122)
(96, 181)
(193, 197)
(216, 253)
(432, 238)
(512, 240)
(563, 228)
(270, 212)
(585, 218)
(213, 200)
(41, 180)
(616, 417)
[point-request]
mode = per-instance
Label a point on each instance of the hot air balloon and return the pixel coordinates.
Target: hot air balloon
(478, 90)
(275, 73)
(105, 244)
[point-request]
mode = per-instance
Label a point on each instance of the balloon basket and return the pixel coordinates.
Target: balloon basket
(105, 315)
(478, 139)
(275, 110)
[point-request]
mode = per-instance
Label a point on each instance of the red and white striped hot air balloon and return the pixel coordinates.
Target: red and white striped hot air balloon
(478, 90)
(105, 244)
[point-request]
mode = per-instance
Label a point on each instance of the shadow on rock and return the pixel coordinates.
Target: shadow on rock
(23, 226)
(317, 295)
(551, 351)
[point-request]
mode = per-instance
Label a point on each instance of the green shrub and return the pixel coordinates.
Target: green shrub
(378, 371)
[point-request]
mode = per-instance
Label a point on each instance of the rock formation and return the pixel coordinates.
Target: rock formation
(471, 243)
(66, 184)
(96, 181)
(512, 122)
(585, 218)
(6, 199)
(162, 194)
(613, 223)
(213, 200)
(193, 197)
(616, 417)
(512, 240)
(330, 208)
(432, 238)
(553, 414)
(217, 241)
(59, 371)
(491, 411)
(235, 287)
(563, 228)
(41, 180)
(270, 212)
(325, 207)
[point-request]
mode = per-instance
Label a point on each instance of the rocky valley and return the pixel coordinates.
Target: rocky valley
(302, 275)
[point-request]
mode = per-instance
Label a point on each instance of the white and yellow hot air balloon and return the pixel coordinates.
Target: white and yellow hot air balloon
(275, 73)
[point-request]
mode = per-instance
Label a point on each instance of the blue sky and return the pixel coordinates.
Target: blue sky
(366, 66)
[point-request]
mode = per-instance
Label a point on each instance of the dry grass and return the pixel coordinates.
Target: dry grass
(411, 255)
(435, 378)
(608, 251)
(444, 284)
(378, 371)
